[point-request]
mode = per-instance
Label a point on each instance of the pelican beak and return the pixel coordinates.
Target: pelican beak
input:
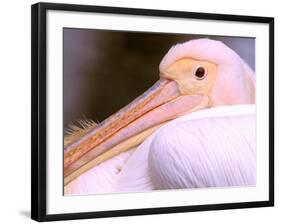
(129, 126)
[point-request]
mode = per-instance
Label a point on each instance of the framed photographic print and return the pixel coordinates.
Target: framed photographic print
(138, 111)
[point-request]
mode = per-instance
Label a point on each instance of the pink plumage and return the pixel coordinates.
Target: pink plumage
(213, 147)
(234, 74)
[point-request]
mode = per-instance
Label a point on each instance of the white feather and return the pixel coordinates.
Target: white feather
(207, 152)
(164, 161)
(100, 179)
(209, 148)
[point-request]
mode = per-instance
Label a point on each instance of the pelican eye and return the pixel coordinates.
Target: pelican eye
(200, 72)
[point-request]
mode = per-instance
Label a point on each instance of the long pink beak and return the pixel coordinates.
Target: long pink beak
(159, 104)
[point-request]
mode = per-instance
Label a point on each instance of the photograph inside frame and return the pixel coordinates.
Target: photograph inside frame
(157, 111)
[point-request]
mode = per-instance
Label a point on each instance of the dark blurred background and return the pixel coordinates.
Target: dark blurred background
(105, 70)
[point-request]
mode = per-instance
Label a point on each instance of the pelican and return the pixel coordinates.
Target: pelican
(193, 128)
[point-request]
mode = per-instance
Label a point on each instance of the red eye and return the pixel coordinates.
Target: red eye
(200, 73)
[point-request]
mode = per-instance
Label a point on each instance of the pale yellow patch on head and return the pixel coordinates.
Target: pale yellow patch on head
(183, 72)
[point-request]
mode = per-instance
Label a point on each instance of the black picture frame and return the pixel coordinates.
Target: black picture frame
(38, 116)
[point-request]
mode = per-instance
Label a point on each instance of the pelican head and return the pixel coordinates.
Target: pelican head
(194, 75)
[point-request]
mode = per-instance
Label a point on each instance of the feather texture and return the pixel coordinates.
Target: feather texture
(75, 131)
(175, 156)
(214, 152)
(209, 148)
